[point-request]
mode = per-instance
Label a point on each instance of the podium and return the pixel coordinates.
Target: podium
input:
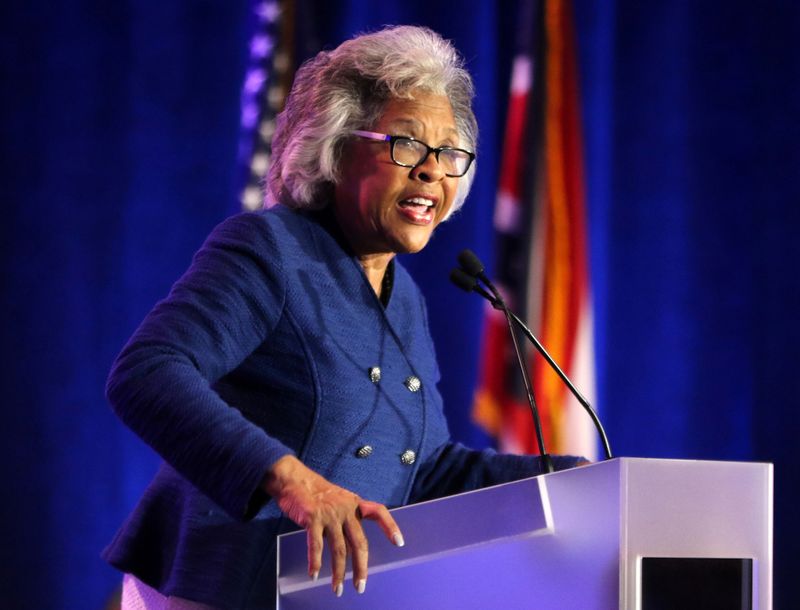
(631, 533)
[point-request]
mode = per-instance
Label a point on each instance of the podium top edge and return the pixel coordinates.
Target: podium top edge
(632, 459)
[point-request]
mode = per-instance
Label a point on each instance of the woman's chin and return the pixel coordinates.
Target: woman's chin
(412, 240)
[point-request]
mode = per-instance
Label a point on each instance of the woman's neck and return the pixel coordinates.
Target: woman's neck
(375, 266)
(374, 263)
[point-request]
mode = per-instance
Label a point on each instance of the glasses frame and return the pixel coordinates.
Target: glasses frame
(383, 137)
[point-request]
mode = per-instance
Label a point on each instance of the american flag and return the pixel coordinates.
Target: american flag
(542, 267)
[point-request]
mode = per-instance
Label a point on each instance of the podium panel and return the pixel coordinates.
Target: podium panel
(571, 539)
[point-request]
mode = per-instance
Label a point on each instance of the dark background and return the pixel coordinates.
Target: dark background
(119, 153)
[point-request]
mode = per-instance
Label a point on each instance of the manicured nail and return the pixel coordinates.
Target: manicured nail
(361, 585)
(397, 538)
(339, 589)
(315, 576)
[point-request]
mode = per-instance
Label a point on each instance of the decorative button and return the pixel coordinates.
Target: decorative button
(413, 383)
(364, 451)
(408, 457)
(374, 374)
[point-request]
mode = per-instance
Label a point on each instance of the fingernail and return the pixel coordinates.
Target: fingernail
(315, 576)
(397, 538)
(339, 589)
(361, 585)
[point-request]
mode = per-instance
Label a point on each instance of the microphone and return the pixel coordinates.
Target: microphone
(473, 269)
(466, 278)
(468, 283)
(472, 266)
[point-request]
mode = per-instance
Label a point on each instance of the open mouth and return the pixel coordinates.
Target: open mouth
(418, 210)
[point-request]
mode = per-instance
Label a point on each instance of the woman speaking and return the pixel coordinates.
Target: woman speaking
(289, 377)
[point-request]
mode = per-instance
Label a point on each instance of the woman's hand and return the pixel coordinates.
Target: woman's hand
(327, 510)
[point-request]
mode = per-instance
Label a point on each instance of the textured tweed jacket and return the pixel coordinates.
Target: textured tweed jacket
(274, 343)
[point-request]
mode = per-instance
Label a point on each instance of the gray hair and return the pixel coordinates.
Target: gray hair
(346, 89)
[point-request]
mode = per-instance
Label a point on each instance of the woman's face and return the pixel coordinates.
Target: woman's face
(383, 207)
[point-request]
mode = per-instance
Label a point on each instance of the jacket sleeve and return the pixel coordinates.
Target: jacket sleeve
(454, 469)
(219, 312)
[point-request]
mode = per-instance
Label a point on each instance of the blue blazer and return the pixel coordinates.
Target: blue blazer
(274, 343)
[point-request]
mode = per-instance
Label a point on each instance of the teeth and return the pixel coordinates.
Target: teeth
(419, 201)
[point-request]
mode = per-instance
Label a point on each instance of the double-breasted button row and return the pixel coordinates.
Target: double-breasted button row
(412, 382)
(408, 456)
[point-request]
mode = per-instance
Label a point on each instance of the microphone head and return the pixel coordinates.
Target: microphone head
(463, 280)
(470, 263)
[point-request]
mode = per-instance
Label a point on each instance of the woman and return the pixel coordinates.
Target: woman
(289, 378)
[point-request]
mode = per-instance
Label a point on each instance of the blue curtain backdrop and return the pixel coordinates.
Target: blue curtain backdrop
(119, 136)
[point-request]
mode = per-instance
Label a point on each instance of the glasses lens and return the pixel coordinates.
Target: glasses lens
(408, 152)
(454, 161)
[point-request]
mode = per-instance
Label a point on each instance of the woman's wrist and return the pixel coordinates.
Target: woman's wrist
(280, 474)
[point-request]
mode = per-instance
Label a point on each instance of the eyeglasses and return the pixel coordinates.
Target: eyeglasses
(408, 152)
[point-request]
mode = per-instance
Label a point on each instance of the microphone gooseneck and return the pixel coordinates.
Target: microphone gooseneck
(570, 386)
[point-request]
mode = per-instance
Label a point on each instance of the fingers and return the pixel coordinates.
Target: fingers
(330, 515)
(348, 538)
(381, 515)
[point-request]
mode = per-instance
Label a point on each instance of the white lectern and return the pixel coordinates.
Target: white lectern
(638, 534)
